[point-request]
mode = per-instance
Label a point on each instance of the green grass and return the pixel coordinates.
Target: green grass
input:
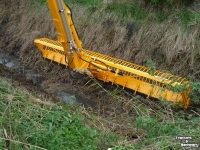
(158, 126)
(26, 124)
(138, 13)
(39, 2)
(189, 18)
(163, 134)
(125, 10)
(29, 123)
(88, 3)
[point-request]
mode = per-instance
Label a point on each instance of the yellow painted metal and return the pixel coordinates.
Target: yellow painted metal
(157, 86)
(61, 15)
(108, 69)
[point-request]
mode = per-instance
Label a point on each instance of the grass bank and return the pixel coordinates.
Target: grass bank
(146, 124)
(26, 122)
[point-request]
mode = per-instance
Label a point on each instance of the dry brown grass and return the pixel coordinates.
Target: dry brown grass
(25, 22)
(103, 32)
(166, 41)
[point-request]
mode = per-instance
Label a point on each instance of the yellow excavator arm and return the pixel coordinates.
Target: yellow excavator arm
(67, 50)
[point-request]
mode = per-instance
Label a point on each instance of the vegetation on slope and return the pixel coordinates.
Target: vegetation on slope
(149, 125)
(169, 37)
(27, 122)
(126, 29)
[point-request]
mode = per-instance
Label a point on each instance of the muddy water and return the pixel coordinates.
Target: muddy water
(10, 64)
(37, 79)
